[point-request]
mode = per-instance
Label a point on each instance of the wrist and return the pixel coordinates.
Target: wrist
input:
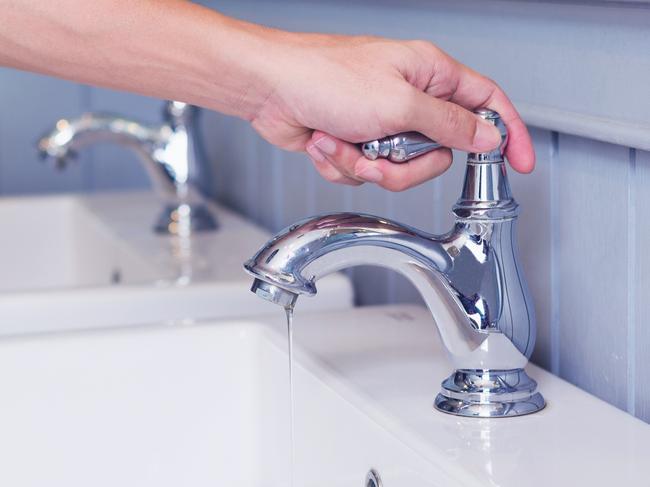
(249, 60)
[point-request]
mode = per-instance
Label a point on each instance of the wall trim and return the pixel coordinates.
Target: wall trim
(617, 132)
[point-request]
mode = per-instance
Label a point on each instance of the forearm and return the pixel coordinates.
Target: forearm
(165, 48)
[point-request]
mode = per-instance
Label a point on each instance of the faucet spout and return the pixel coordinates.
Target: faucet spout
(293, 261)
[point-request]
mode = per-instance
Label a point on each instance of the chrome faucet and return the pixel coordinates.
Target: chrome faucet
(470, 279)
(171, 155)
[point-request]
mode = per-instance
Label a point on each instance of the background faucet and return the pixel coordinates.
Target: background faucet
(470, 279)
(171, 155)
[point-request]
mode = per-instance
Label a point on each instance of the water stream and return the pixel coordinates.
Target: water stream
(289, 313)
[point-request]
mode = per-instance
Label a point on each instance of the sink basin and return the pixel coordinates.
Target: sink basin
(56, 242)
(205, 405)
(75, 262)
(208, 404)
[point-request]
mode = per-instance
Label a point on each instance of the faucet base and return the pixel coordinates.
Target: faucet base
(185, 219)
(489, 394)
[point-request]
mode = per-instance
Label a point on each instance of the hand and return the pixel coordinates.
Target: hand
(328, 93)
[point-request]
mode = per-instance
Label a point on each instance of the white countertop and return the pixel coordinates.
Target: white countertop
(389, 362)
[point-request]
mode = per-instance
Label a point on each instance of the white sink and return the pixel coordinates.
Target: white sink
(207, 405)
(56, 242)
(74, 262)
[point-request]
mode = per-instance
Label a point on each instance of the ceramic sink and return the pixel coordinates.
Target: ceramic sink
(208, 404)
(57, 242)
(204, 405)
(78, 261)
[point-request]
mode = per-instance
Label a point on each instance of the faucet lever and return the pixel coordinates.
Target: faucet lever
(399, 148)
(405, 146)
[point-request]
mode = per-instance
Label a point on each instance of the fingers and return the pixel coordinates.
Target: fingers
(452, 81)
(451, 125)
(326, 168)
(398, 177)
(473, 90)
(353, 168)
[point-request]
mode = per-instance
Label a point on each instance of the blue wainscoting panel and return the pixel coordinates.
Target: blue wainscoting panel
(592, 179)
(535, 232)
(116, 167)
(416, 207)
(297, 194)
(220, 152)
(372, 285)
(231, 149)
(267, 165)
(31, 106)
(639, 339)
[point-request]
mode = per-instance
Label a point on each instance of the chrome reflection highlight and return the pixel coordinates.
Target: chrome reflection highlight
(171, 154)
(470, 279)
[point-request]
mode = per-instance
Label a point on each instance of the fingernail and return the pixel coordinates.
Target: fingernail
(326, 144)
(487, 137)
(370, 174)
(315, 153)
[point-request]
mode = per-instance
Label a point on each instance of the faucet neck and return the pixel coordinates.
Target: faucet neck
(486, 193)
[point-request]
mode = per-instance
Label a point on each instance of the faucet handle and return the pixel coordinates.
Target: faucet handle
(399, 148)
(409, 145)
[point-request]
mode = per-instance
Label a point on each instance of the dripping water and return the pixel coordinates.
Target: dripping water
(289, 313)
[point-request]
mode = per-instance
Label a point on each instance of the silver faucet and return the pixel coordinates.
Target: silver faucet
(171, 155)
(470, 279)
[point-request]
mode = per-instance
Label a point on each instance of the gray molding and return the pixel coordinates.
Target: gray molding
(628, 134)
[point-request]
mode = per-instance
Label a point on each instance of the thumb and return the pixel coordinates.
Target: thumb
(452, 125)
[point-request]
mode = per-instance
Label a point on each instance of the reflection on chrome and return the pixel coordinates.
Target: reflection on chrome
(470, 279)
(171, 154)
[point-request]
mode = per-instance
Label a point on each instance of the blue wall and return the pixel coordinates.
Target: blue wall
(579, 74)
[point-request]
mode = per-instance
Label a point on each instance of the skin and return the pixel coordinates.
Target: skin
(317, 93)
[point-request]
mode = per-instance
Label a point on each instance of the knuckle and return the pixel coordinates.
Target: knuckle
(445, 159)
(456, 121)
(351, 182)
(489, 81)
(453, 117)
(401, 112)
(396, 185)
(328, 173)
(424, 47)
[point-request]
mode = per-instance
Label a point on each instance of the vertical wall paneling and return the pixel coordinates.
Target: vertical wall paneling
(554, 252)
(258, 190)
(641, 264)
(372, 285)
(532, 192)
(593, 201)
(216, 129)
(113, 166)
(231, 154)
(332, 198)
(31, 105)
(297, 198)
(415, 207)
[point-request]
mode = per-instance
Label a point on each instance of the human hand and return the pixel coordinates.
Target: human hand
(328, 93)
